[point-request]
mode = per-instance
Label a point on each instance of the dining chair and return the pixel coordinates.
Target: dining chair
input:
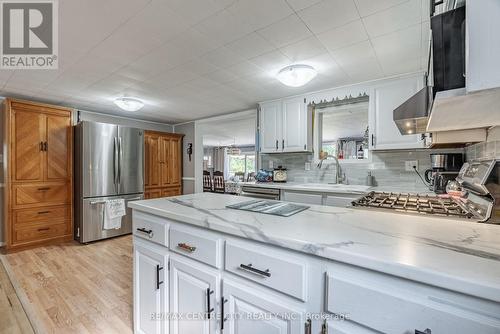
(219, 184)
(207, 182)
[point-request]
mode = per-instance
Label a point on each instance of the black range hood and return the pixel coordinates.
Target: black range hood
(447, 56)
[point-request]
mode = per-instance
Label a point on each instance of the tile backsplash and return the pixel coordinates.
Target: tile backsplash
(485, 150)
(388, 168)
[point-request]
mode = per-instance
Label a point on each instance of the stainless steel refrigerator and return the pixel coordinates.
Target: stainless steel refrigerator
(109, 164)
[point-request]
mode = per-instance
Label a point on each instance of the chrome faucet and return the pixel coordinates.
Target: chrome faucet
(339, 179)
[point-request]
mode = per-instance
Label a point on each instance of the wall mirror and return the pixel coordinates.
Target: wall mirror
(341, 128)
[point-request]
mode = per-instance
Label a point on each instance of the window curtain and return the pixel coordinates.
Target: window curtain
(219, 159)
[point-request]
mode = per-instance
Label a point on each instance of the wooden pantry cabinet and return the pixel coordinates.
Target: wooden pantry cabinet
(163, 164)
(38, 172)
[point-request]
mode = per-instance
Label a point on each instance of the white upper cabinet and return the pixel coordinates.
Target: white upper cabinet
(384, 135)
(285, 126)
(295, 129)
(270, 127)
(483, 44)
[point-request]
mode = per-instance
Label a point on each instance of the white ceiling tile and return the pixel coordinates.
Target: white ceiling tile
(221, 76)
(301, 4)
(272, 61)
(288, 30)
(95, 64)
(223, 27)
(163, 58)
(354, 54)
(368, 69)
(222, 57)
(303, 49)
(199, 66)
(251, 45)
(402, 66)
(172, 78)
(399, 45)
(243, 69)
(193, 11)
(329, 14)
(343, 36)
(260, 13)
(193, 42)
(368, 7)
(325, 65)
(394, 18)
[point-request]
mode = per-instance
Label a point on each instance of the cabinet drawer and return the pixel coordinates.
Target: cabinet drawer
(196, 244)
(39, 231)
(390, 309)
(42, 214)
(30, 195)
(268, 267)
(149, 227)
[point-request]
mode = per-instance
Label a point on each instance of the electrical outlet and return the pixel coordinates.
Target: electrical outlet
(409, 164)
(271, 164)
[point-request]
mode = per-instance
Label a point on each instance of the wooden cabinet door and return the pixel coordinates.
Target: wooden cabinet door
(243, 305)
(165, 161)
(175, 163)
(153, 193)
(194, 289)
(152, 168)
(58, 147)
(150, 289)
(168, 192)
(28, 133)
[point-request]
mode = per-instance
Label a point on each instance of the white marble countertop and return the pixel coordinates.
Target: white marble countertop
(455, 254)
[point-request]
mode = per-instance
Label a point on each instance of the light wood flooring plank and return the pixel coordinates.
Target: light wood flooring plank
(73, 288)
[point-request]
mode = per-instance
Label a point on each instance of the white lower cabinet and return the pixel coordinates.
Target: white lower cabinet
(194, 293)
(263, 289)
(249, 311)
(150, 288)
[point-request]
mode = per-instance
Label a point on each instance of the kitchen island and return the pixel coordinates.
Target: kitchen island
(385, 271)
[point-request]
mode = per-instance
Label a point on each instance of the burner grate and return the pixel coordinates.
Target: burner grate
(425, 204)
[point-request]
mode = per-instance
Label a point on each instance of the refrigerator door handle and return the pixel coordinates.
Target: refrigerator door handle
(120, 160)
(115, 161)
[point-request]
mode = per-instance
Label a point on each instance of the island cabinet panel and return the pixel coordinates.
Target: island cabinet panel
(267, 267)
(150, 288)
(38, 141)
(194, 295)
(392, 309)
(249, 311)
(163, 164)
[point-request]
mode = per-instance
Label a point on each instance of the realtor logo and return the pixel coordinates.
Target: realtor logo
(29, 34)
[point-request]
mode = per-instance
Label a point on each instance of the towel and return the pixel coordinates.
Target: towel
(114, 210)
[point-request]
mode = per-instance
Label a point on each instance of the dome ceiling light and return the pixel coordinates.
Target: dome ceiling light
(296, 75)
(129, 103)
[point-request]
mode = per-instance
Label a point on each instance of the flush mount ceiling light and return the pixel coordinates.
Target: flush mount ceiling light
(129, 103)
(296, 75)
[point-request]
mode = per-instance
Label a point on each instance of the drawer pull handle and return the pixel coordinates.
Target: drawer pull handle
(43, 229)
(43, 212)
(209, 308)
(223, 318)
(158, 282)
(186, 247)
(426, 331)
(44, 189)
(148, 232)
(251, 269)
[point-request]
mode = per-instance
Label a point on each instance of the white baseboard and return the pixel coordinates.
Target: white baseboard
(188, 179)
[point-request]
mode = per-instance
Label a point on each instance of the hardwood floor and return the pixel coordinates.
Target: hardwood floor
(13, 319)
(73, 288)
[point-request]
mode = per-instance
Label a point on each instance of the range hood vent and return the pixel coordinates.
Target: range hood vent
(413, 115)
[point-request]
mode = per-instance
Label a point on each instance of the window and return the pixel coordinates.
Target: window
(241, 163)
